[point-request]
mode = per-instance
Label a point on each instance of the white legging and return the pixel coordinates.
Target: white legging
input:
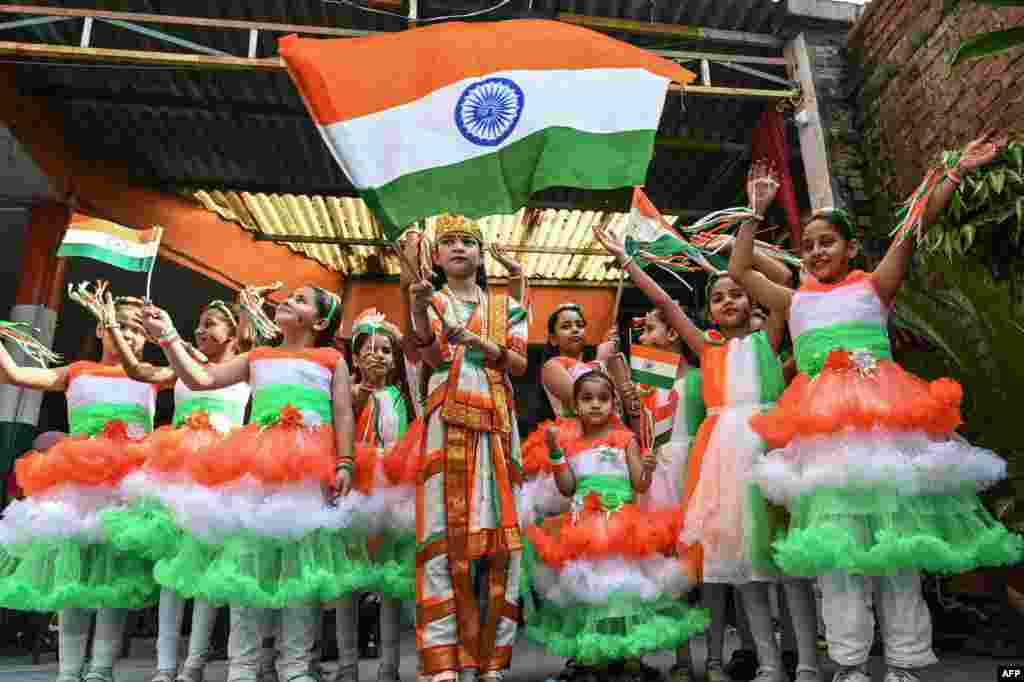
(294, 642)
(204, 617)
(74, 636)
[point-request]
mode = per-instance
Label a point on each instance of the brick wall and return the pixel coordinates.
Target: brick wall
(911, 104)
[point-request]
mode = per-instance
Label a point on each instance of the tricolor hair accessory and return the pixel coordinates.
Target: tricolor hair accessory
(372, 323)
(224, 309)
(838, 218)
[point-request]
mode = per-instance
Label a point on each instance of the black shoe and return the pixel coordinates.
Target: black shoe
(742, 665)
(789, 663)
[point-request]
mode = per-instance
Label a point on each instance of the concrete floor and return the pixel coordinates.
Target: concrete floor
(530, 664)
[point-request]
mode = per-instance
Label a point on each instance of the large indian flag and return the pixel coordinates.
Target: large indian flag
(102, 240)
(473, 118)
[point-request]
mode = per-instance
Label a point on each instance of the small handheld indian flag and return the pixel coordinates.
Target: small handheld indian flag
(473, 118)
(656, 368)
(651, 240)
(653, 366)
(102, 240)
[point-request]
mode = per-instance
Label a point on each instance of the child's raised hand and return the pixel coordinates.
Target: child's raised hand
(762, 186)
(611, 243)
(157, 322)
(983, 150)
(420, 293)
(107, 309)
(514, 267)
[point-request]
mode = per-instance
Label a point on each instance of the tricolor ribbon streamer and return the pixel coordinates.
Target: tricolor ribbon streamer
(22, 335)
(252, 303)
(689, 248)
(912, 212)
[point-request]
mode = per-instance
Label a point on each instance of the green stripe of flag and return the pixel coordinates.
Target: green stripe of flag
(105, 256)
(652, 379)
(502, 182)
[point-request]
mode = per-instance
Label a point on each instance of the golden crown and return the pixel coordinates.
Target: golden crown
(457, 224)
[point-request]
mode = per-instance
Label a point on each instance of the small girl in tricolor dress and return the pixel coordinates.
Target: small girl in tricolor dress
(59, 556)
(272, 540)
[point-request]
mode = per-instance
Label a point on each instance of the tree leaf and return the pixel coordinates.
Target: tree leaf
(967, 232)
(989, 44)
(1001, 3)
(997, 179)
(956, 206)
(1017, 152)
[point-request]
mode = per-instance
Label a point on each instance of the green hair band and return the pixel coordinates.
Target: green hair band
(838, 218)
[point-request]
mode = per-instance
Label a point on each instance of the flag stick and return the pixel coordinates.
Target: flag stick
(149, 275)
(618, 298)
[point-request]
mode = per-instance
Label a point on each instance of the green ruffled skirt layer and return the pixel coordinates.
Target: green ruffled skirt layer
(391, 565)
(622, 629)
(51, 575)
(145, 527)
(879, 533)
(255, 570)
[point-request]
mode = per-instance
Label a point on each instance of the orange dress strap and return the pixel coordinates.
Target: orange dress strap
(713, 363)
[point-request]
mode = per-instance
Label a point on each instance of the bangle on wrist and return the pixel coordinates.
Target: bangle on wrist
(557, 456)
(166, 341)
(559, 467)
(346, 465)
(626, 263)
(112, 325)
(954, 176)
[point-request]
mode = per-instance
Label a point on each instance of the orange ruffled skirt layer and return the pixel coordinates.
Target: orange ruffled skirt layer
(101, 460)
(287, 452)
(170, 450)
(875, 478)
(594, 534)
(844, 395)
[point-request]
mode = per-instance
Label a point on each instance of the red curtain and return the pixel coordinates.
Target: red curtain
(769, 143)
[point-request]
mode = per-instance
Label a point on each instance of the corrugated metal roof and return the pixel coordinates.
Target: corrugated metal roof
(348, 218)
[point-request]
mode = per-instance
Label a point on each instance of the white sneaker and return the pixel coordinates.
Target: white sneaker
(901, 675)
(851, 674)
(805, 673)
(770, 675)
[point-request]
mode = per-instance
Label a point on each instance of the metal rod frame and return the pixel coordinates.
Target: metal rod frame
(217, 59)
